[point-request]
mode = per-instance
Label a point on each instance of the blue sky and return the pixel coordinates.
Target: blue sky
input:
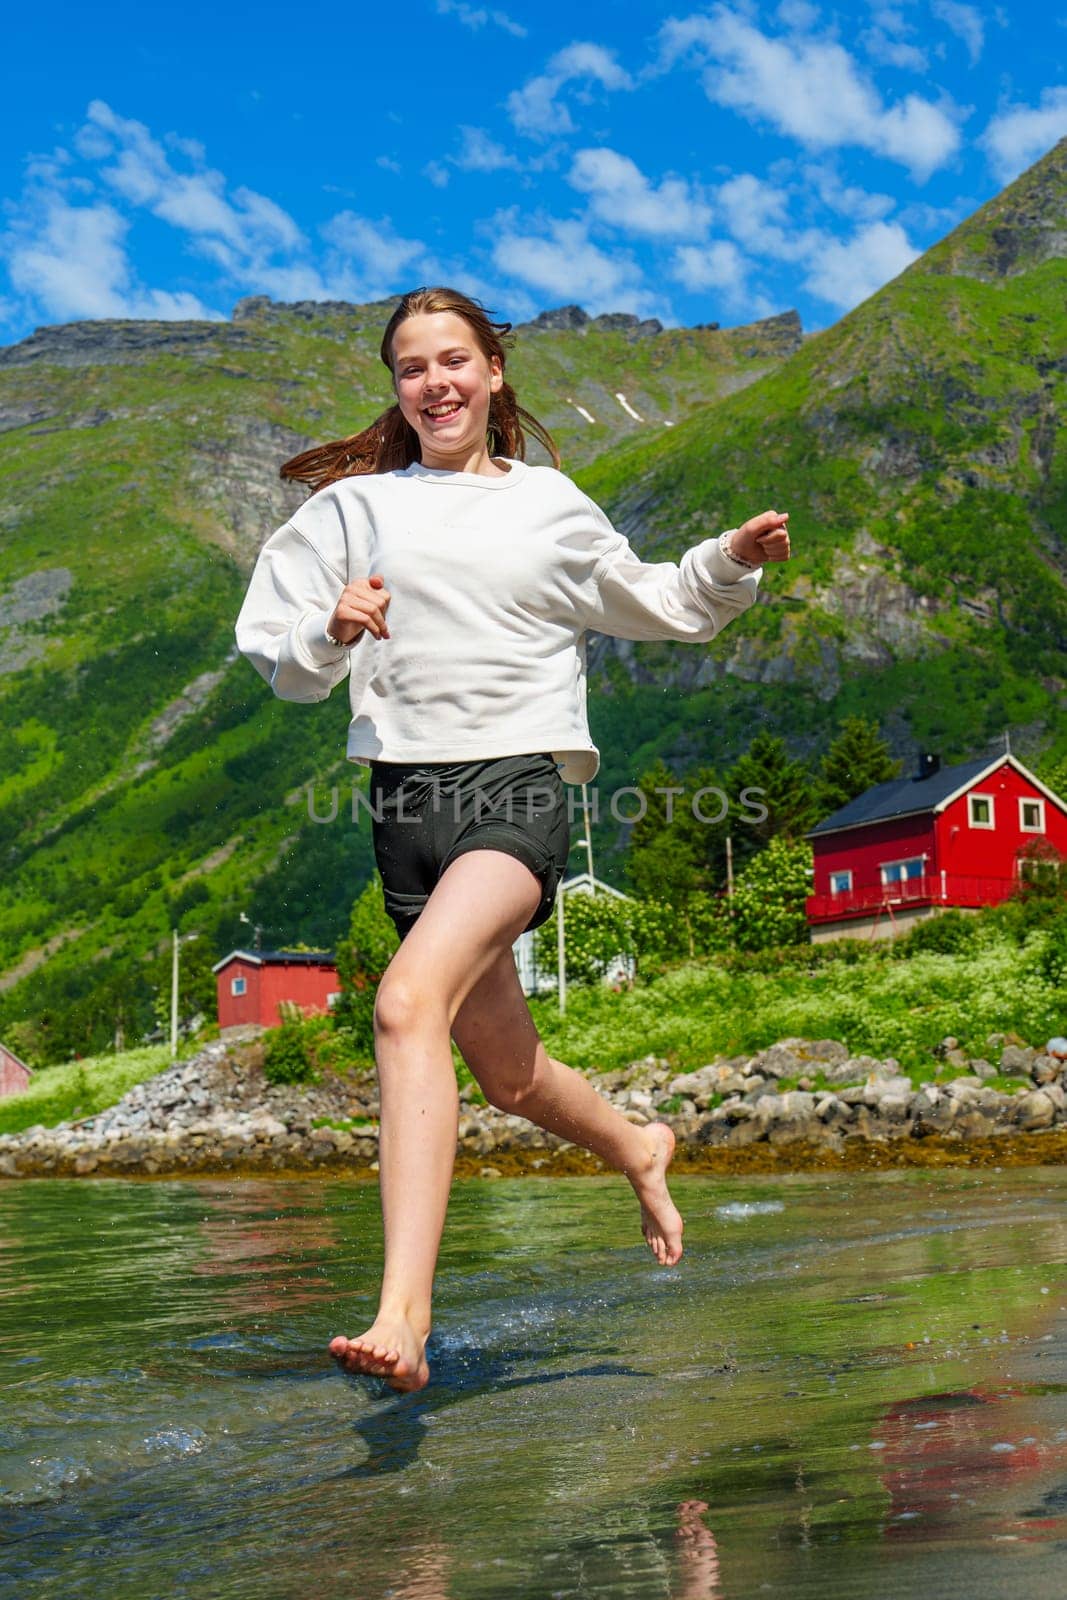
(697, 164)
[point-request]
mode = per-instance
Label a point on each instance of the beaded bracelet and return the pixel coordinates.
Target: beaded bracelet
(724, 546)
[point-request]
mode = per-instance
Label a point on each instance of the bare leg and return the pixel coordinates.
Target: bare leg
(496, 1034)
(479, 907)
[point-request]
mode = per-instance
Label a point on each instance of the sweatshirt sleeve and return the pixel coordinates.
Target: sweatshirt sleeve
(282, 623)
(692, 599)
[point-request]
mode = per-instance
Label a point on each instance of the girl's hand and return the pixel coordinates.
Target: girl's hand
(362, 607)
(762, 538)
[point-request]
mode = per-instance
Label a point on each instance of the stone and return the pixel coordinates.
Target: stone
(1045, 1069)
(1056, 1094)
(878, 1089)
(1035, 1110)
(744, 1133)
(973, 1123)
(980, 1068)
(777, 1062)
(1016, 1060)
(932, 1112)
(795, 1105)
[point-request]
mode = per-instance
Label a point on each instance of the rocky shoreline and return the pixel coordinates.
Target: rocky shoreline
(799, 1103)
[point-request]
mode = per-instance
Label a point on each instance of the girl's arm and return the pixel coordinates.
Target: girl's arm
(692, 599)
(283, 622)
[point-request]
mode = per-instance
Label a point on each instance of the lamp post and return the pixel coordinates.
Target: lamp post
(178, 939)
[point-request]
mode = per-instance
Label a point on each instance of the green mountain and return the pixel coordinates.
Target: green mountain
(149, 777)
(916, 446)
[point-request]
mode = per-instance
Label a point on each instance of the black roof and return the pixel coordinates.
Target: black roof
(274, 958)
(903, 797)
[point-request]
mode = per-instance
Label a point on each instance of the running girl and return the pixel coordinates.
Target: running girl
(453, 586)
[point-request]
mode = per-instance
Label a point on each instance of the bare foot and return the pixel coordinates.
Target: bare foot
(661, 1223)
(390, 1349)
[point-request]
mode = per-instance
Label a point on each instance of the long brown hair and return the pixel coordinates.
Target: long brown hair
(390, 443)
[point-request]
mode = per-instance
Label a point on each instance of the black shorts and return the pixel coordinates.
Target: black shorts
(425, 816)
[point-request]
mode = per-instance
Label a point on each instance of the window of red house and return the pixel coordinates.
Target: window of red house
(980, 813)
(238, 985)
(902, 871)
(841, 882)
(1032, 816)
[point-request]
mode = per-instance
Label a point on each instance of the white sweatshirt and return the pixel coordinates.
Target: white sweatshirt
(494, 583)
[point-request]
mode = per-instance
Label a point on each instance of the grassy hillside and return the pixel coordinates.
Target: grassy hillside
(148, 776)
(916, 446)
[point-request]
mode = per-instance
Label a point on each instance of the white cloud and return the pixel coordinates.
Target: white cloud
(797, 14)
(718, 264)
(67, 249)
(847, 199)
(622, 196)
(810, 89)
(755, 212)
(70, 262)
(844, 272)
(374, 246)
(564, 263)
(477, 16)
(1019, 135)
(966, 23)
(479, 153)
(250, 223)
(534, 109)
(889, 52)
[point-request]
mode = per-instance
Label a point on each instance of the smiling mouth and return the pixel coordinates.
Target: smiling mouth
(442, 412)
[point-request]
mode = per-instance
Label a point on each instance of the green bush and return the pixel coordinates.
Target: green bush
(768, 902)
(361, 961)
(949, 933)
(286, 1057)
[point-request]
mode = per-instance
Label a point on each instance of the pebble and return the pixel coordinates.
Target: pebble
(216, 1112)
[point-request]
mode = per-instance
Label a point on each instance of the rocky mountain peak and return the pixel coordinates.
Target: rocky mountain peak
(1020, 228)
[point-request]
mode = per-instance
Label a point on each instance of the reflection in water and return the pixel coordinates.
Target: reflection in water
(944, 1453)
(853, 1389)
(263, 1262)
(698, 1555)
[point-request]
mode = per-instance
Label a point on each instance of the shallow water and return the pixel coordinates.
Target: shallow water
(852, 1387)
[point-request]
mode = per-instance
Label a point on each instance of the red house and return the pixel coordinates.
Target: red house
(252, 984)
(949, 836)
(15, 1075)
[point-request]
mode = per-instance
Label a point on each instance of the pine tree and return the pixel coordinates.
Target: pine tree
(664, 858)
(856, 760)
(767, 779)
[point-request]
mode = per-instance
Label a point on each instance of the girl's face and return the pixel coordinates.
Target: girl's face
(444, 383)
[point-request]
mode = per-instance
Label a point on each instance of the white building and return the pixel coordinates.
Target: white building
(535, 977)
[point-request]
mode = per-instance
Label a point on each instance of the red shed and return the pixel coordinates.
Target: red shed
(252, 984)
(15, 1075)
(949, 836)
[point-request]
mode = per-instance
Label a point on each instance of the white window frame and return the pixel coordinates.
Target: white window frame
(1024, 826)
(842, 872)
(904, 861)
(238, 986)
(991, 802)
